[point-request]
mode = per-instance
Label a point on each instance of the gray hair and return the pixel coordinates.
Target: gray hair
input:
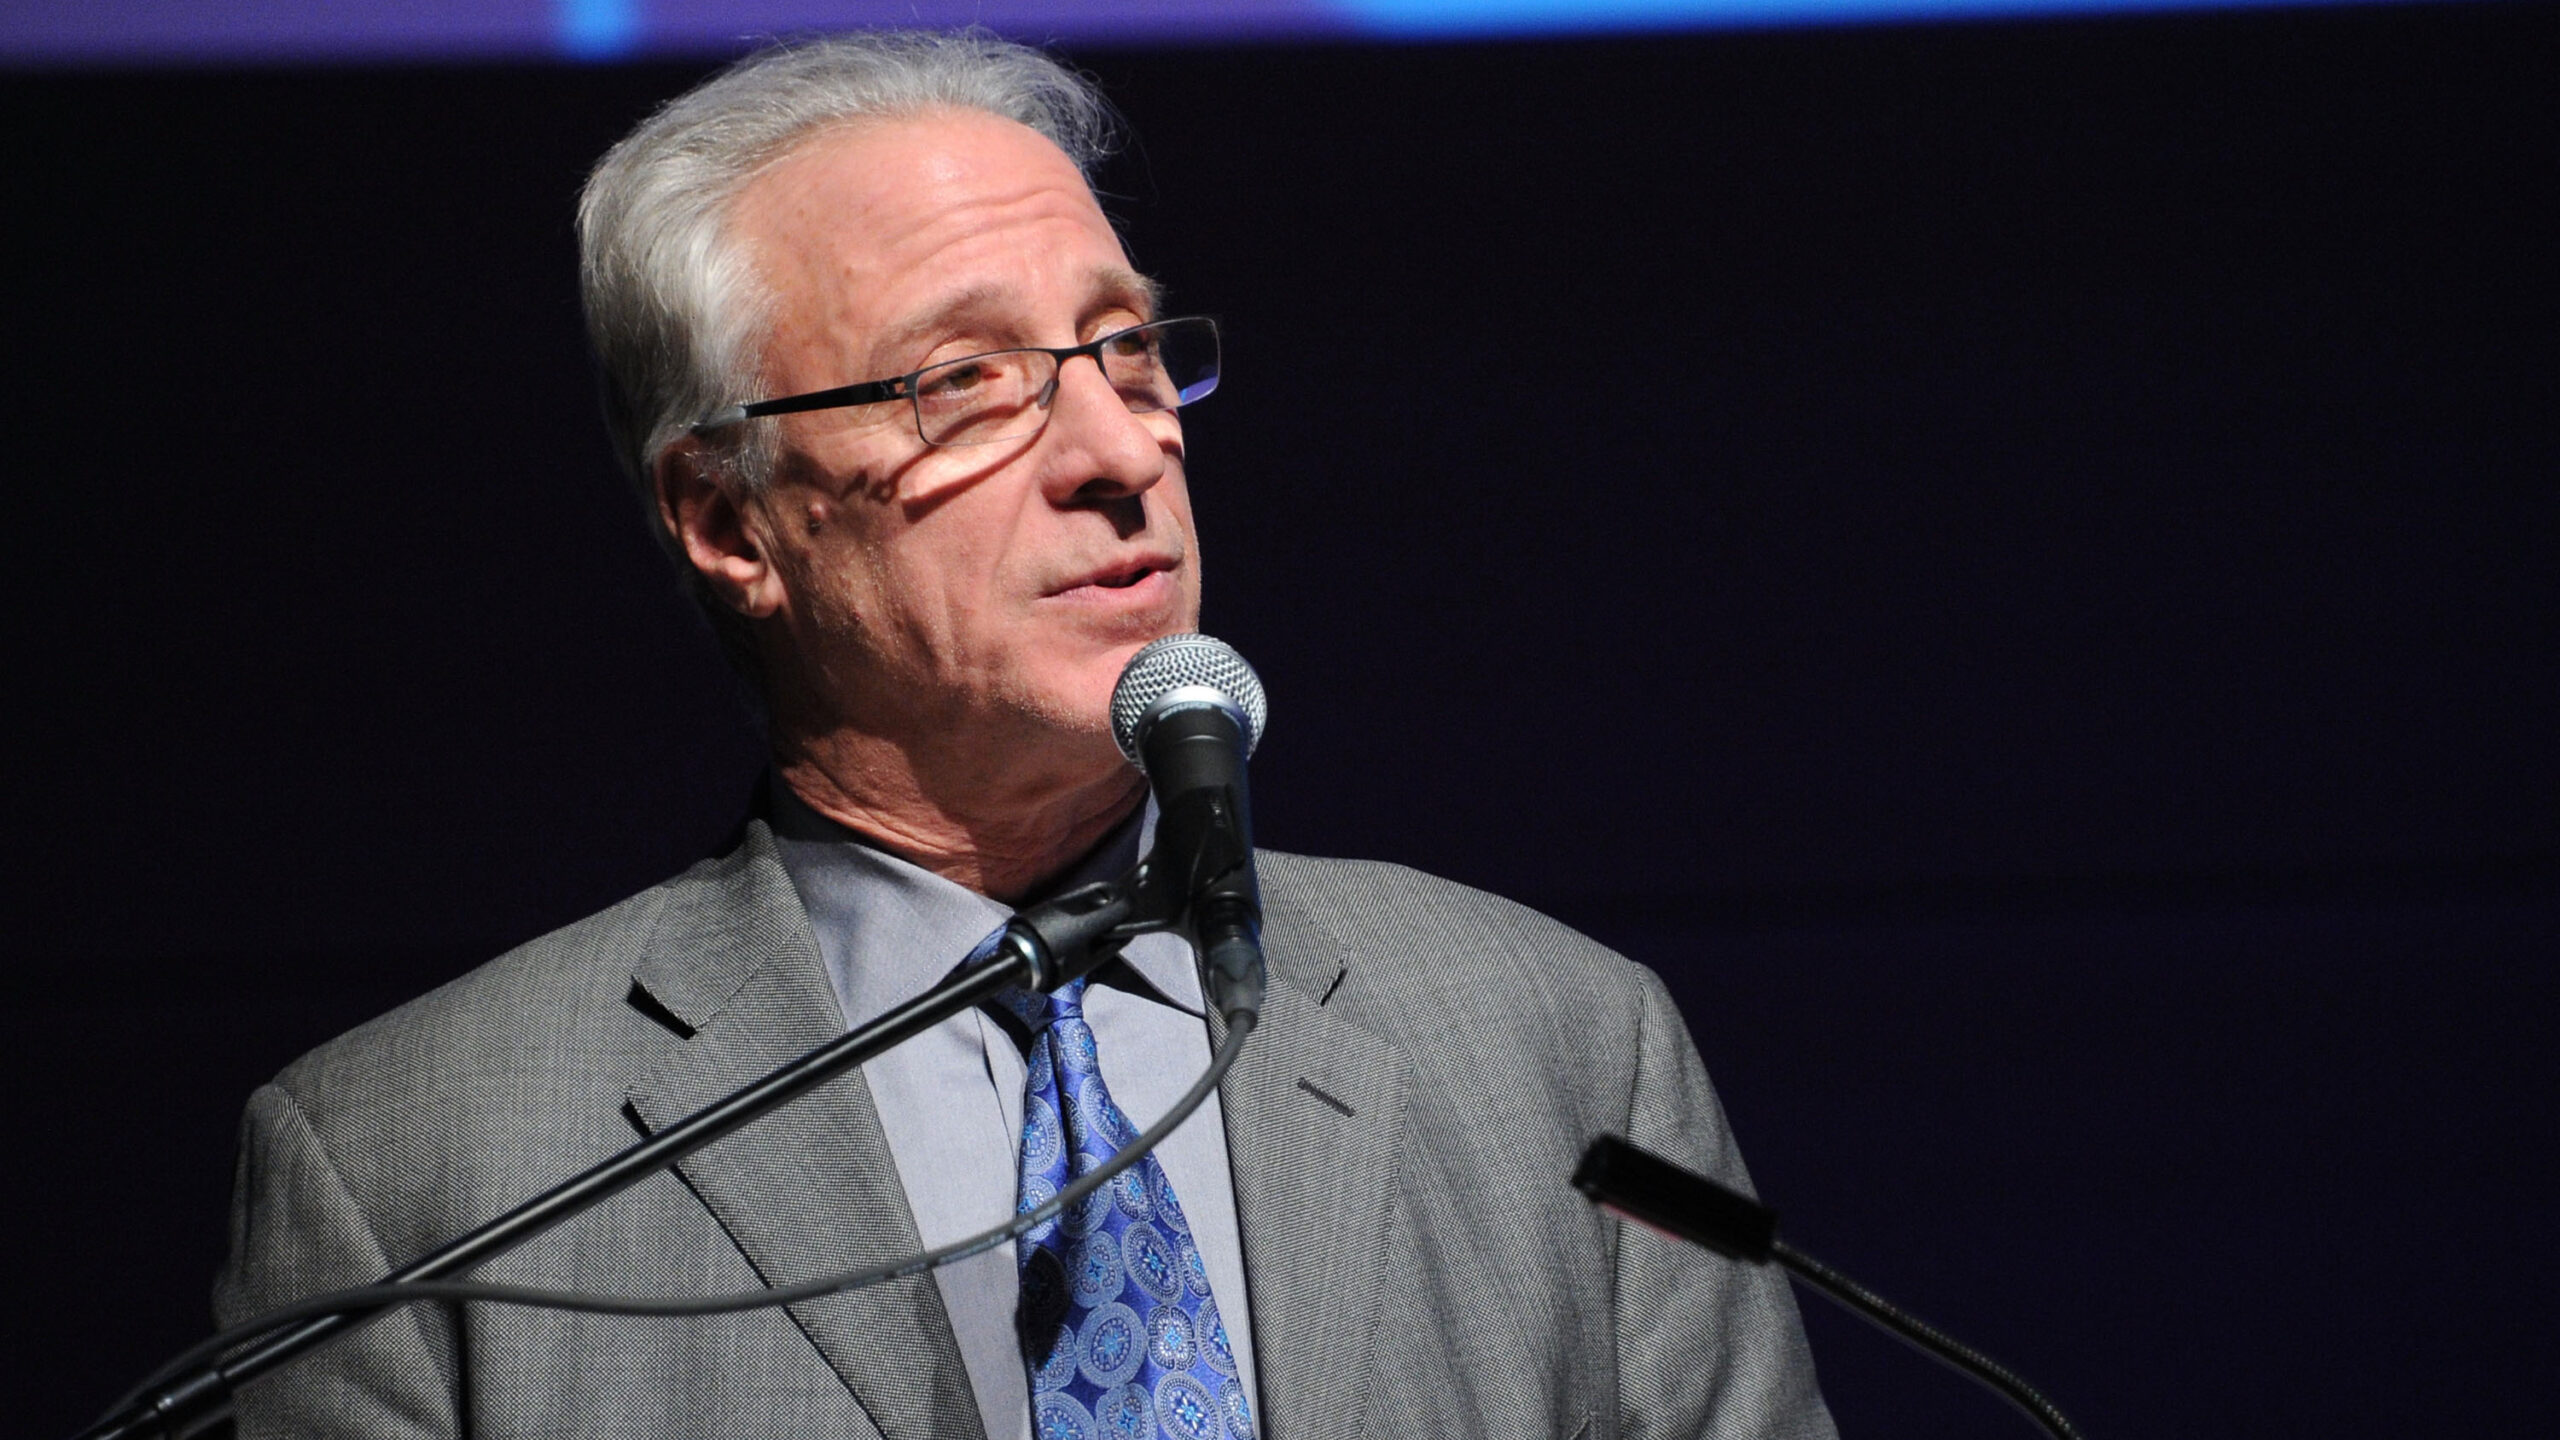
(674, 308)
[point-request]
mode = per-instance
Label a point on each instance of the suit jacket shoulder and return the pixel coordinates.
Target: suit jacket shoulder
(455, 1107)
(1436, 965)
(437, 1087)
(1432, 1062)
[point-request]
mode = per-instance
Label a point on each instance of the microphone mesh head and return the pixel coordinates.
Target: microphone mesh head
(1185, 662)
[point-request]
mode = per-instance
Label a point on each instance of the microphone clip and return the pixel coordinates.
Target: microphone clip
(1213, 902)
(1069, 936)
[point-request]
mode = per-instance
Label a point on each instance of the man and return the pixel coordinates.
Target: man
(908, 418)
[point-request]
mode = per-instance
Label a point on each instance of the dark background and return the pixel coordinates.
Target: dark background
(2014, 563)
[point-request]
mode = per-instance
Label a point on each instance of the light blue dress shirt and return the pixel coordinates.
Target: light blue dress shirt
(950, 1100)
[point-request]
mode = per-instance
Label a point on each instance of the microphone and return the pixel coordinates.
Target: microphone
(1189, 711)
(1641, 1186)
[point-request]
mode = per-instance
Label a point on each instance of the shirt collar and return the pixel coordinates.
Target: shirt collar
(891, 930)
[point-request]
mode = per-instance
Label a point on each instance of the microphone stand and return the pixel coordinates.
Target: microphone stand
(1640, 1186)
(1041, 948)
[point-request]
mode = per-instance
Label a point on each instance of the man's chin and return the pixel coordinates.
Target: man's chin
(1067, 687)
(1071, 705)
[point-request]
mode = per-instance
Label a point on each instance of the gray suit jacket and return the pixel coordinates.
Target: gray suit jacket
(1430, 1063)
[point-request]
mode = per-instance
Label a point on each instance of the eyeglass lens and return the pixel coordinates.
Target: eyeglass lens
(1006, 395)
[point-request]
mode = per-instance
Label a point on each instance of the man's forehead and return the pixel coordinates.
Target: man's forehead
(996, 303)
(889, 184)
(908, 230)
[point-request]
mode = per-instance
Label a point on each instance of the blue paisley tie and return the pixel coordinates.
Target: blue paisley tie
(1118, 1327)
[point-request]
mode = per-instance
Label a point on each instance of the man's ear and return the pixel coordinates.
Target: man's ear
(720, 531)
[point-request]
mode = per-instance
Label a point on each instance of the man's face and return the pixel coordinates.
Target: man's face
(931, 589)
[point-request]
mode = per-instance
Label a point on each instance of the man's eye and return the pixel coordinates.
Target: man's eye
(957, 380)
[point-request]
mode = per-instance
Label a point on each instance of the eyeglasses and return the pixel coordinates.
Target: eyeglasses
(1005, 394)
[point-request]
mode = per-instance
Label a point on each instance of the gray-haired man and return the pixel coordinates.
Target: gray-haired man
(908, 418)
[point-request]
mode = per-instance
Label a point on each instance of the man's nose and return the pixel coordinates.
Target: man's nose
(1100, 447)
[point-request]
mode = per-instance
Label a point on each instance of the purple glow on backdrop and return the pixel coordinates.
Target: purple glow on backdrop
(305, 31)
(189, 30)
(185, 31)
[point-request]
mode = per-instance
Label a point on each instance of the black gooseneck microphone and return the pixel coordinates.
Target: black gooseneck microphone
(1641, 1186)
(1189, 711)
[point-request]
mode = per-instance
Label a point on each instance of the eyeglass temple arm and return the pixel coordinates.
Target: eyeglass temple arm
(868, 393)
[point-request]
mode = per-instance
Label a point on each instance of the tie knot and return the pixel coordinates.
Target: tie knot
(1041, 1011)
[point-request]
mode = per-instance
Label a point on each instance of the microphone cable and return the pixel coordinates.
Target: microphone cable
(372, 1298)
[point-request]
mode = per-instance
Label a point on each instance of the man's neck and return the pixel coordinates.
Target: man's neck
(1001, 834)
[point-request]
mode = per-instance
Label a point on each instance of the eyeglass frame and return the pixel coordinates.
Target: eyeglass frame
(903, 387)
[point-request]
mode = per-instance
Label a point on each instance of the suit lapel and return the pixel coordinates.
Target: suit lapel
(811, 1188)
(1315, 1187)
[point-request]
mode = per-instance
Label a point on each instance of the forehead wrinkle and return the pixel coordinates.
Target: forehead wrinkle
(794, 213)
(1107, 285)
(985, 298)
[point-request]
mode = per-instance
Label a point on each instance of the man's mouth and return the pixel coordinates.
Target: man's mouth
(1125, 576)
